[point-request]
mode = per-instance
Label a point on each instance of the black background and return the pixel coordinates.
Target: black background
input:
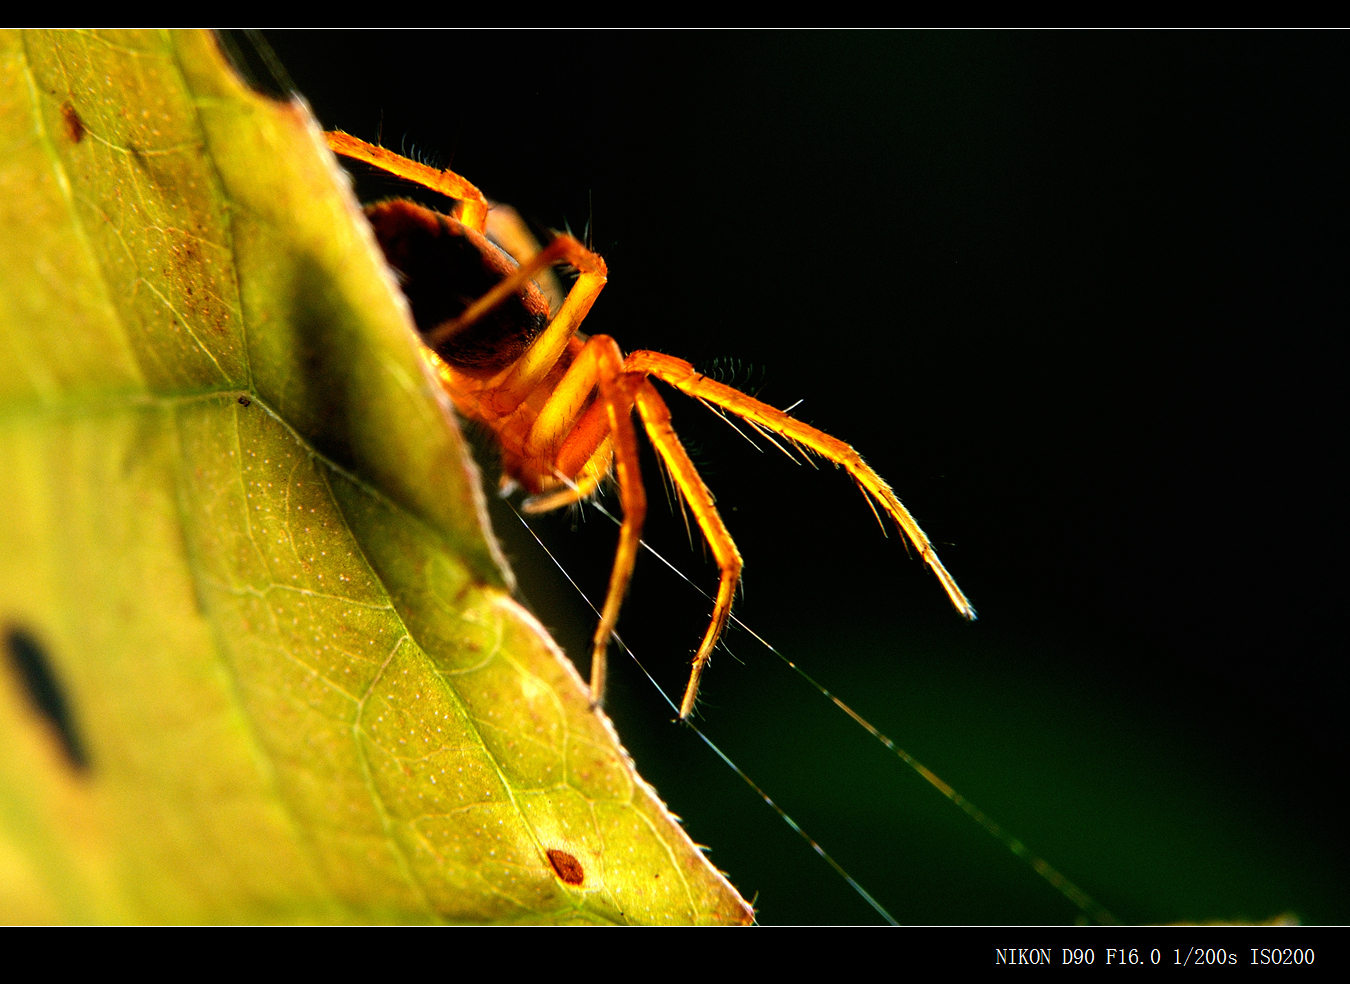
(1073, 295)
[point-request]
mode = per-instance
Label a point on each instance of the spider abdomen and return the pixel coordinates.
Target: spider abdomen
(444, 267)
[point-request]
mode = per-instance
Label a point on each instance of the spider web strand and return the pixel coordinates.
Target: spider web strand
(796, 827)
(1084, 902)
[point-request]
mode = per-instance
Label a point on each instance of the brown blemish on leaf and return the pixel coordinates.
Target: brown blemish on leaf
(567, 868)
(74, 125)
(244, 401)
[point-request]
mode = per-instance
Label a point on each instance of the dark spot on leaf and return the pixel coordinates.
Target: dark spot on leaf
(34, 670)
(74, 125)
(567, 868)
(244, 401)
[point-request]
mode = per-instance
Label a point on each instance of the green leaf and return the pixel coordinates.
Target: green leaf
(241, 531)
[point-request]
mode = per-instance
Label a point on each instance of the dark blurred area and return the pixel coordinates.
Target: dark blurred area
(1073, 296)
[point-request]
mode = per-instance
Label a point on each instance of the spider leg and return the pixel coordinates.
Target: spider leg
(656, 418)
(472, 207)
(508, 230)
(617, 393)
(508, 390)
(682, 376)
(585, 436)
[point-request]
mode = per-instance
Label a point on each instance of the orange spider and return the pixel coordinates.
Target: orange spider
(560, 403)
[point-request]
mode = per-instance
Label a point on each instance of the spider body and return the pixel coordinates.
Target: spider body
(444, 267)
(560, 404)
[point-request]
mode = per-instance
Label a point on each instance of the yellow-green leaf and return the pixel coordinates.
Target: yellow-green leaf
(239, 526)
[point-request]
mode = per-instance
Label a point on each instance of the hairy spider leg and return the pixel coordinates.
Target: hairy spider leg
(656, 419)
(616, 390)
(579, 436)
(510, 388)
(472, 207)
(579, 431)
(684, 378)
(508, 230)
